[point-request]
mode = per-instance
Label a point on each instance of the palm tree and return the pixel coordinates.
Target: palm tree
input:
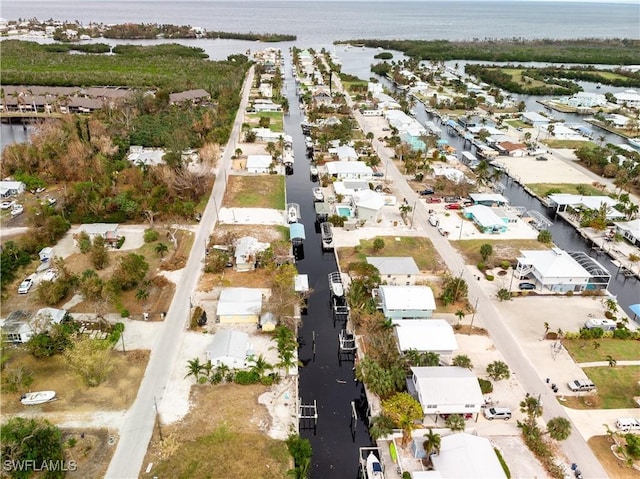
(431, 445)
(195, 367)
(142, 294)
(612, 362)
(161, 249)
(559, 428)
(460, 314)
(260, 366)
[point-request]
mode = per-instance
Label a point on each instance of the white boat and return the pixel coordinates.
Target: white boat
(292, 214)
(314, 171)
(38, 397)
(635, 142)
(374, 468)
(17, 210)
(318, 195)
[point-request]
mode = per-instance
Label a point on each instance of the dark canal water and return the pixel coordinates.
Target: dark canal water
(323, 377)
(627, 290)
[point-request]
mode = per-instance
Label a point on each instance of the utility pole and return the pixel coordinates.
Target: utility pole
(413, 214)
(475, 308)
(157, 419)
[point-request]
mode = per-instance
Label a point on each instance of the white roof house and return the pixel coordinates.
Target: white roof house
(468, 456)
(433, 335)
(258, 163)
(230, 348)
(245, 252)
(20, 327)
(535, 119)
(630, 97)
(349, 169)
(139, 155)
(563, 200)
(395, 270)
(266, 134)
(344, 153)
(406, 302)
(9, 188)
(630, 230)
(554, 269)
(239, 305)
(349, 188)
(109, 231)
(368, 205)
(446, 390)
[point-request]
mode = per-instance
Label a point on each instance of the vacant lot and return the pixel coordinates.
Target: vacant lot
(589, 350)
(601, 447)
(617, 386)
(91, 451)
(275, 119)
(503, 250)
(542, 189)
(265, 191)
(421, 249)
(219, 438)
(116, 393)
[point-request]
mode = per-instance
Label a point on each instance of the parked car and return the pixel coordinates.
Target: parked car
(527, 286)
(466, 415)
(433, 220)
(604, 324)
(443, 232)
(426, 191)
(451, 199)
(626, 424)
(25, 286)
(492, 413)
(453, 206)
(5, 205)
(541, 158)
(378, 174)
(581, 385)
(17, 210)
(434, 199)
(50, 275)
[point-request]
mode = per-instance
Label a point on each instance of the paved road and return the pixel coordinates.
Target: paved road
(140, 419)
(575, 448)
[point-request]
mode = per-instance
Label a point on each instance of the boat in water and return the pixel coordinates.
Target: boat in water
(374, 467)
(314, 171)
(38, 397)
(292, 214)
(318, 195)
(634, 142)
(335, 284)
(327, 235)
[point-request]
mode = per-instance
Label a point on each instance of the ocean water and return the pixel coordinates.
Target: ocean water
(321, 22)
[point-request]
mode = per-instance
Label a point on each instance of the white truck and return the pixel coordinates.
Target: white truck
(626, 424)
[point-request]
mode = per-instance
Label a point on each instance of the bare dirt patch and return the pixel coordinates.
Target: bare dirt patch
(264, 234)
(601, 447)
(117, 393)
(91, 452)
(219, 438)
(259, 278)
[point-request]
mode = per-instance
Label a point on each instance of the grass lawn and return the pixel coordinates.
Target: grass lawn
(516, 75)
(518, 124)
(541, 189)
(349, 85)
(266, 191)
(583, 351)
(601, 447)
(421, 249)
(570, 144)
(616, 386)
(503, 250)
(276, 122)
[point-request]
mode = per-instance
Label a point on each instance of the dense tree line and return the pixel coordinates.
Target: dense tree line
(496, 76)
(588, 50)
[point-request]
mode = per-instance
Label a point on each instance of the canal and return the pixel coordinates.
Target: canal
(323, 378)
(626, 290)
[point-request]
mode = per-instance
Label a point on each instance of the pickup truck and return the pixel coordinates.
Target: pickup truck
(626, 424)
(581, 385)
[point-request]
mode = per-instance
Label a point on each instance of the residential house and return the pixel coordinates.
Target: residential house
(534, 119)
(229, 348)
(246, 249)
(560, 272)
(466, 455)
(425, 335)
(194, 97)
(11, 188)
(109, 231)
(485, 219)
(349, 188)
(585, 99)
(446, 390)
(239, 305)
(45, 254)
(345, 170)
(263, 105)
(396, 270)
(562, 132)
(322, 97)
(20, 327)
(265, 135)
(630, 230)
(631, 98)
(141, 156)
(515, 150)
(344, 153)
(259, 163)
(266, 90)
(405, 302)
(368, 205)
(562, 201)
(488, 199)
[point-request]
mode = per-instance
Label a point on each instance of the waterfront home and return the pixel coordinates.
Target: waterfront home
(229, 348)
(560, 272)
(246, 249)
(445, 390)
(561, 132)
(239, 305)
(344, 153)
(561, 201)
(321, 97)
(466, 455)
(405, 302)
(630, 230)
(266, 90)
(510, 148)
(19, 327)
(585, 99)
(264, 105)
(368, 205)
(344, 170)
(485, 219)
(11, 188)
(534, 119)
(265, 135)
(259, 163)
(349, 188)
(425, 335)
(489, 199)
(395, 270)
(631, 98)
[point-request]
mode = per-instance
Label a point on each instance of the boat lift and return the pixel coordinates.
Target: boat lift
(307, 415)
(347, 346)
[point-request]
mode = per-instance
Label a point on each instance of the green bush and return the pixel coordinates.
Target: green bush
(489, 277)
(505, 265)
(569, 293)
(505, 468)
(247, 377)
(120, 242)
(482, 266)
(125, 313)
(151, 235)
(608, 315)
(622, 333)
(486, 386)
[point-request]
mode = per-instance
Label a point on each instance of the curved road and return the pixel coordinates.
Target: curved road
(575, 448)
(140, 418)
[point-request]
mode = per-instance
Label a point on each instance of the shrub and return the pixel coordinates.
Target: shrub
(378, 244)
(505, 264)
(125, 313)
(498, 370)
(608, 314)
(482, 266)
(489, 277)
(622, 333)
(569, 293)
(247, 377)
(151, 235)
(120, 242)
(486, 386)
(505, 468)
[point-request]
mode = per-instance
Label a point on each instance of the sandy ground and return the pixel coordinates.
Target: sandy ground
(463, 229)
(251, 216)
(528, 170)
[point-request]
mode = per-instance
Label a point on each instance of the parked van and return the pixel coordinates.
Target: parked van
(604, 324)
(626, 424)
(433, 220)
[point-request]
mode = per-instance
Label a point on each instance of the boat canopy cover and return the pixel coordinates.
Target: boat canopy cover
(635, 309)
(296, 231)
